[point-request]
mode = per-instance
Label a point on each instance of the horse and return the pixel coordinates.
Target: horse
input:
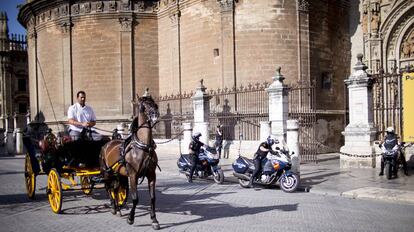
(139, 159)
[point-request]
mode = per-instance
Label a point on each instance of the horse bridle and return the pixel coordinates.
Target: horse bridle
(152, 113)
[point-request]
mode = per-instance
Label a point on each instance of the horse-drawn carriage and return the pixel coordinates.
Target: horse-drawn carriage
(69, 165)
(86, 163)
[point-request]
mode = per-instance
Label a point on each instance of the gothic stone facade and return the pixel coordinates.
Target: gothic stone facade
(14, 88)
(114, 49)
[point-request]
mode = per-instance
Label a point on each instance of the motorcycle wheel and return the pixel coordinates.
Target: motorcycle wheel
(219, 176)
(388, 170)
(289, 183)
(244, 183)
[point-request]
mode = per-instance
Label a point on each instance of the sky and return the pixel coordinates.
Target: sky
(10, 7)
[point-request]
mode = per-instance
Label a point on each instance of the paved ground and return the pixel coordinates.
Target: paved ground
(205, 206)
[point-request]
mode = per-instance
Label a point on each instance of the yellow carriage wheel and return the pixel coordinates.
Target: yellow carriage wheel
(86, 185)
(30, 178)
(120, 196)
(54, 191)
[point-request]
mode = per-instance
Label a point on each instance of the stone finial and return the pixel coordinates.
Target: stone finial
(360, 64)
(278, 76)
(146, 93)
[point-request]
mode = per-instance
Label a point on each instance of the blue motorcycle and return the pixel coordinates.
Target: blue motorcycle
(275, 168)
(207, 165)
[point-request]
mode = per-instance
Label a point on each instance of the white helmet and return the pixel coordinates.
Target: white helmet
(390, 130)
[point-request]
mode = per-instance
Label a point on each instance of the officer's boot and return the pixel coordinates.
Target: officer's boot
(382, 169)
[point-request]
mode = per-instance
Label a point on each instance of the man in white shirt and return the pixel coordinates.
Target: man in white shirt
(81, 116)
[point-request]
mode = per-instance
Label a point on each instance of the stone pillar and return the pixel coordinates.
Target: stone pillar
(201, 104)
(19, 141)
(292, 138)
(28, 118)
(6, 127)
(358, 150)
(278, 105)
(188, 131)
(264, 130)
(127, 74)
(14, 121)
(227, 43)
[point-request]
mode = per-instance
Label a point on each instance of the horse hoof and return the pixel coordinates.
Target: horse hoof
(155, 226)
(113, 211)
(129, 221)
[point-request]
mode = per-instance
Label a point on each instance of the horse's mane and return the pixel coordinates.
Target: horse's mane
(134, 125)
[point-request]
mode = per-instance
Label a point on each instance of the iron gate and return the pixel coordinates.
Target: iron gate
(387, 102)
(302, 109)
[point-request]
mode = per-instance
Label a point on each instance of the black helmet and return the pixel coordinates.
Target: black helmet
(196, 135)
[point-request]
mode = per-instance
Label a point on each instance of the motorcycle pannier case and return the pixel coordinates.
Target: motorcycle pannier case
(240, 165)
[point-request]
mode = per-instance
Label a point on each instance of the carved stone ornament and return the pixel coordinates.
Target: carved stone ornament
(65, 26)
(303, 5)
(125, 4)
(407, 46)
(174, 17)
(99, 6)
(63, 10)
(112, 6)
(226, 5)
(140, 6)
(126, 23)
(75, 9)
(85, 7)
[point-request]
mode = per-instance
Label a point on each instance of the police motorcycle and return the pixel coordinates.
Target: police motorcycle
(275, 168)
(207, 165)
(392, 158)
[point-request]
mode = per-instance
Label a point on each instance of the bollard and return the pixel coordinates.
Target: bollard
(19, 141)
(292, 127)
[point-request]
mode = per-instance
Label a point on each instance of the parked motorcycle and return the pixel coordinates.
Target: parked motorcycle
(207, 165)
(275, 168)
(392, 158)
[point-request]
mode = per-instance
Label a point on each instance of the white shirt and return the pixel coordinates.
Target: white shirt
(80, 114)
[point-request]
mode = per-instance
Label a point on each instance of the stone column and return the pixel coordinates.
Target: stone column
(28, 117)
(67, 63)
(188, 131)
(264, 130)
(358, 150)
(227, 43)
(201, 104)
(127, 72)
(19, 141)
(278, 105)
(14, 121)
(292, 138)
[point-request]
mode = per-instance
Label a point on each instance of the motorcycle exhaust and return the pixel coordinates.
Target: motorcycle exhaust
(241, 176)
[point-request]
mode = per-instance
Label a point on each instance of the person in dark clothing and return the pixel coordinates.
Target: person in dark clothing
(390, 141)
(261, 153)
(194, 150)
(219, 140)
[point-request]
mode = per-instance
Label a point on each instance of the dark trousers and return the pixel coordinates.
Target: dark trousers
(194, 159)
(257, 168)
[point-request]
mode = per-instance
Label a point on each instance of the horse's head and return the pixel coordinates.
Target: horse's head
(148, 106)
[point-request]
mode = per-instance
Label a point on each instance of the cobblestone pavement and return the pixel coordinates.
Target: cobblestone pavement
(201, 206)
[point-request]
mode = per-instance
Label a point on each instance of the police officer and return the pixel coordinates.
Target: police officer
(390, 141)
(261, 153)
(194, 150)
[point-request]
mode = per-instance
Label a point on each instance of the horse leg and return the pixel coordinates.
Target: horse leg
(151, 186)
(133, 185)
(112, 201)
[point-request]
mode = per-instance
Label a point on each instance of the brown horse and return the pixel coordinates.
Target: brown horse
(139, 161)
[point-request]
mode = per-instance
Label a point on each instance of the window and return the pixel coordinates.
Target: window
(22, 108)
(21, 85)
